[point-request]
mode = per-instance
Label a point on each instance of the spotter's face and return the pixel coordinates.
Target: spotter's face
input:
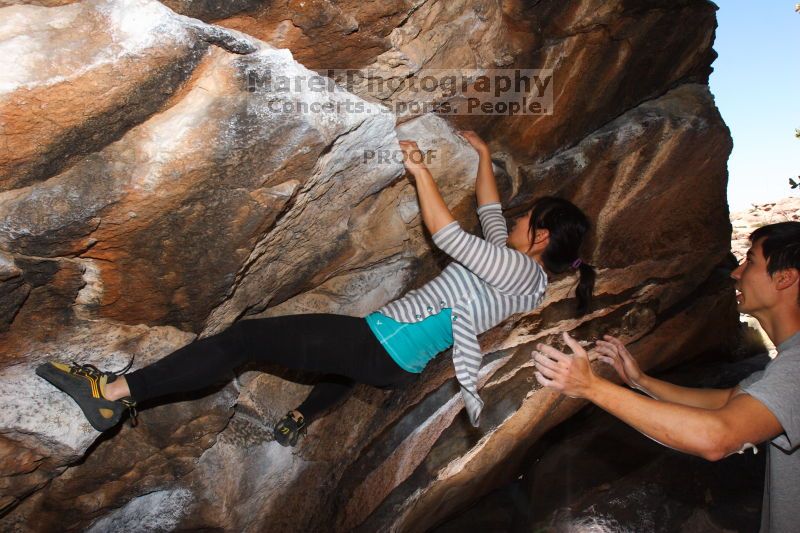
(755, 288)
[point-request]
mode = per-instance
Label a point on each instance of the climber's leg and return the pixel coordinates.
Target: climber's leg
(325, 343)
(325, 394)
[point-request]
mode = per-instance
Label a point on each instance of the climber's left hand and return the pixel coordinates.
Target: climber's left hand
(475, 141)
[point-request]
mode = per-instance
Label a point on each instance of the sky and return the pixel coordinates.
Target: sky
(756, 86)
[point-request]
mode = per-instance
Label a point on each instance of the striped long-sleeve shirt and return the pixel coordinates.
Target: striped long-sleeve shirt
(487, 282)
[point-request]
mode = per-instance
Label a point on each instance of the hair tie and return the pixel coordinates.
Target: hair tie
(577, 263)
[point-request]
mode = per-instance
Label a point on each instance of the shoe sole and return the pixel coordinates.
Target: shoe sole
(102, 414)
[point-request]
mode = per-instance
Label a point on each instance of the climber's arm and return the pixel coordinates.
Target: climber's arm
(435, 213)
(490, 212)
(485, 183)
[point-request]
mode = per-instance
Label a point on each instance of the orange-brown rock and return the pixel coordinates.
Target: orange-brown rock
(607, 58)
(320, 33)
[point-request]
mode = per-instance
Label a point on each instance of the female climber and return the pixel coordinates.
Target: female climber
(489, 280)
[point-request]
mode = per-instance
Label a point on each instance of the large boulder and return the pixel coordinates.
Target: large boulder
(155, 187)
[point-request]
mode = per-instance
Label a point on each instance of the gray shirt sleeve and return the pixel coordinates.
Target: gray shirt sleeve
(493, 223)
(504, 268)
(752, 378)
(778, 388)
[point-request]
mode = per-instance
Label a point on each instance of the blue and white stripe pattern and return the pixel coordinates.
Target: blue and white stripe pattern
(487, 283)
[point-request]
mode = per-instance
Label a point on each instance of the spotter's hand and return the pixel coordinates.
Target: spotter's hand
(570, 374)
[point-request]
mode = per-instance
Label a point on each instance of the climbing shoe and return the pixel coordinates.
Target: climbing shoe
(289, 429)
(84, 383)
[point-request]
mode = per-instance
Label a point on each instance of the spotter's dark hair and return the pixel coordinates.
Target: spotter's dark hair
(781, 246)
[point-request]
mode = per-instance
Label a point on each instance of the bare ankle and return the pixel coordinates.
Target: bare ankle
(117, 389)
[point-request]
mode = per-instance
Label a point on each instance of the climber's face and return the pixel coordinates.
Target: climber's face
(522, 239)
(518, 237)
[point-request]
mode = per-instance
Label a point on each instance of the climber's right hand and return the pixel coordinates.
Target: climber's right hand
(413, 158)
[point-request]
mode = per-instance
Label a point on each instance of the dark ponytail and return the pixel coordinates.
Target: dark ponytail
(567, 226)
(585, 287)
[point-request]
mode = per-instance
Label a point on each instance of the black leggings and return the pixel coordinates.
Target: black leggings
(342, 346)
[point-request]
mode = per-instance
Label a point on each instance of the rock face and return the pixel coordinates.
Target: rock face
(155, 188)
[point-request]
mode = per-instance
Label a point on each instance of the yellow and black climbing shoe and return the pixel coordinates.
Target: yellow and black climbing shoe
(289, 429)
(85, 383)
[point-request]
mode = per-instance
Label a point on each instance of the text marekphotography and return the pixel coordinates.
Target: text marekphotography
(442, 91)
